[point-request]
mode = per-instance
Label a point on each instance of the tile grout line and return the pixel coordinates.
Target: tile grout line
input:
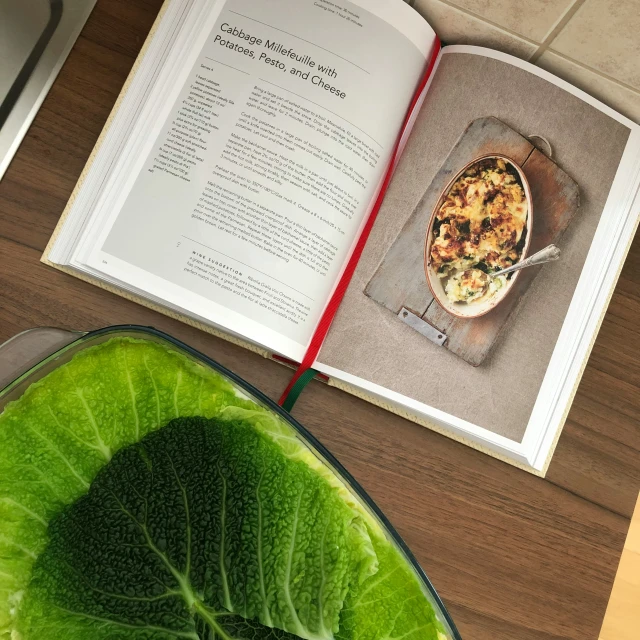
(596, 72)
(547, 41)
(556, 29)
(477, 16)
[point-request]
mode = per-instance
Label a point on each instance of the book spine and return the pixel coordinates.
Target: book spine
(329, 313)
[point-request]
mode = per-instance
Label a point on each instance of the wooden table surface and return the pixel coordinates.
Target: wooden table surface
(514, 557)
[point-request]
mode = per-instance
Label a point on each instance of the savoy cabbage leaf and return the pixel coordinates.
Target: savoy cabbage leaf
(390, 605)
(56, 439)
(67, 426)
(201, 530)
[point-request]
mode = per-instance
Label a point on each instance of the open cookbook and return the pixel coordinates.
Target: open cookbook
(321, 182)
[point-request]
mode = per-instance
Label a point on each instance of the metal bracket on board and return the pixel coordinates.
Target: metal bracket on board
(422, 327)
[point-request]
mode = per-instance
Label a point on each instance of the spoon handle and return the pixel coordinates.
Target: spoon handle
(548, 254)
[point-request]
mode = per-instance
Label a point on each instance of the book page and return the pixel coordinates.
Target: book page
(244, 205)
(490, 364)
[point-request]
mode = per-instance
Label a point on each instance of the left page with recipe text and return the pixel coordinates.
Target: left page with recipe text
(245, 201)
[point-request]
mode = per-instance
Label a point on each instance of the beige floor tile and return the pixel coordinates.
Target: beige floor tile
(605, 35)
(533, 19)
(615, 95)
(456, 27)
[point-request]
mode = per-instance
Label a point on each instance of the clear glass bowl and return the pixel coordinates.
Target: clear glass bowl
(33, 354)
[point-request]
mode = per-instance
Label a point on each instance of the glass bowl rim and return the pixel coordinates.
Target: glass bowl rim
(267, 402)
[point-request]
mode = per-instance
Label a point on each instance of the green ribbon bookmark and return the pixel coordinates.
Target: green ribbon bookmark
(297, 389)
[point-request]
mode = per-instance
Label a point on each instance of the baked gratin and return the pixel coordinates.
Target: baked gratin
(481, 226)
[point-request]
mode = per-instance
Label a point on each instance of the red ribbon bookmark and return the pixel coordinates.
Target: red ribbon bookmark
(329, 313)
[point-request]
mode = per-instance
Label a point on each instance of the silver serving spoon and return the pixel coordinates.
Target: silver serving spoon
(548, 254)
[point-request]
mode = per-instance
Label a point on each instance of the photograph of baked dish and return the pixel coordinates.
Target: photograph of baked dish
(480, 227)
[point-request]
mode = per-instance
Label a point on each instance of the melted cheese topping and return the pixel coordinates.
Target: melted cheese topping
(472, 285)
(482, 219)
(466, 286)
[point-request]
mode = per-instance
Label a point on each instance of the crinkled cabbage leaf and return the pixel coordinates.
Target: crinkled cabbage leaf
(67, 426)
(202, 519)
(390, 604)
(115, 526)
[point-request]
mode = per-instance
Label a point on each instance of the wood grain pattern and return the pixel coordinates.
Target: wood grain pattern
(622, 619)
(400, 279)
(514, 557)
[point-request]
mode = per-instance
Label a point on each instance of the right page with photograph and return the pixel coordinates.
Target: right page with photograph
(501, 163)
